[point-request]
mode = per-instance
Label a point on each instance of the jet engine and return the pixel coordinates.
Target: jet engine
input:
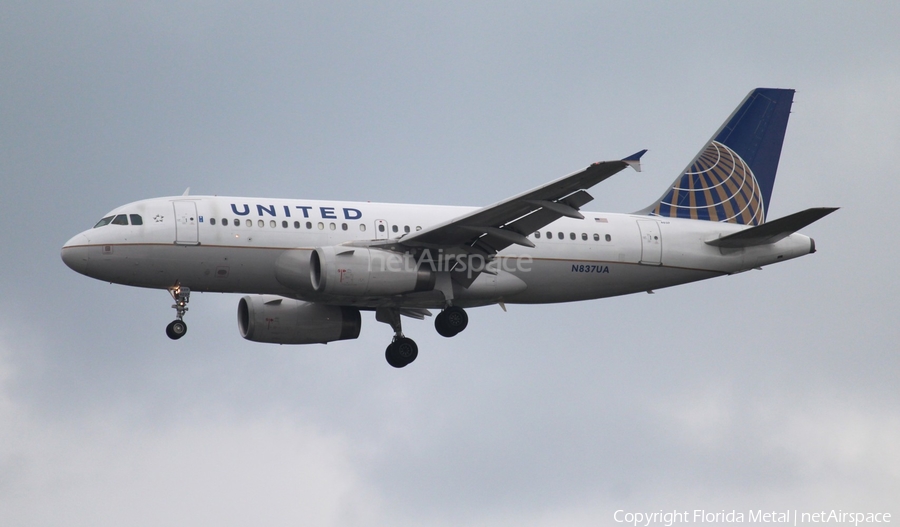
(279, 320)
(355, 271)
(292, 271)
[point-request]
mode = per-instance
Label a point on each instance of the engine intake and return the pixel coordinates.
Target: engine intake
(278, 320)
(354, 271)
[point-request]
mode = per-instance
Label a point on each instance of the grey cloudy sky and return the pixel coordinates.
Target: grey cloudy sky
(766, 390)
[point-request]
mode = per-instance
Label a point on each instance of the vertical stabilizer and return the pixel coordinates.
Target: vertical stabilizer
(732, 177)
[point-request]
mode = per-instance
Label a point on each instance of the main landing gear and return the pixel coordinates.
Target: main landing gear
(402, 350)
(451, 321)
(177, 328)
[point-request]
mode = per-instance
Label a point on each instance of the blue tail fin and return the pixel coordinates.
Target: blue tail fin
(731, 179)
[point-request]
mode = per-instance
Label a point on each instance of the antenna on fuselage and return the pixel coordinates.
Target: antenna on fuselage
(187, 191)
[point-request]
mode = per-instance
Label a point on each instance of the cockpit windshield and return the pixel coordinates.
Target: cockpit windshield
(120, 219)
(104, 221)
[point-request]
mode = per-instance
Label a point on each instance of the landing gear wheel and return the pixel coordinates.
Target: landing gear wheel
(440, 324)
(182, 295)
(451, 321)
(176, 329)
(401, 352)
(392, 357)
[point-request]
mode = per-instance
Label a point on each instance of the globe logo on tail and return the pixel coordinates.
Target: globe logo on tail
(718, 186)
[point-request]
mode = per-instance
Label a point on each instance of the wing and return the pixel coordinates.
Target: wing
(495, 227)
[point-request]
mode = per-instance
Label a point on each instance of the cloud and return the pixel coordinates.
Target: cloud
(108, 468)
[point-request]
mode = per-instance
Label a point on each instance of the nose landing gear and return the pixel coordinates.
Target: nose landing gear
(177, 328)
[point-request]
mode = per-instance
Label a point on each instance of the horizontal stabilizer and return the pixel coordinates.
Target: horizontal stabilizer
(773, 231)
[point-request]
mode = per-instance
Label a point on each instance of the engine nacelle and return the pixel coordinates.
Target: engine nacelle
(279, 320)
(292, 271)
(360, 271)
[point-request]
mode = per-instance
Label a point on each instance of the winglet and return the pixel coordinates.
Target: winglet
(634, 160)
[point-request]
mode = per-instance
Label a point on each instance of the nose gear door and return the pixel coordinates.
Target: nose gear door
(186, 225)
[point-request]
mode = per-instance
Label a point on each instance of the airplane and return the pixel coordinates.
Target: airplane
(309, 267)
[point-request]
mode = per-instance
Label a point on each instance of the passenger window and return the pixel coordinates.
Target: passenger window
(549, 235)
(362, 227)
(380, 228)
(537, 234)
(249, 223)
(284, 224)
(104, 221)
(395, 228)
(212, 221)
(121, 219)
(296, 224)
(309, 225)
(224, 222)
(272, 223)
(608, 238)
(418, 228)
(332, 226)
(406, 228)
(584, 236)
(261, 223)
(343, 226)
(596, 237)
(571, 235)
(237, 222)
(136, 219)
(321, 226)
(562, 236)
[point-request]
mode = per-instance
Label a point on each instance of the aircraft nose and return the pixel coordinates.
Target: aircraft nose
(74, 253)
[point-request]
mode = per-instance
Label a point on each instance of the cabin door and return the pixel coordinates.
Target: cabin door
(186, 225)
(651, 242)
(381, 230)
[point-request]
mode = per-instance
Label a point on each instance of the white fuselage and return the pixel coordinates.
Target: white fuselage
(231, 245)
